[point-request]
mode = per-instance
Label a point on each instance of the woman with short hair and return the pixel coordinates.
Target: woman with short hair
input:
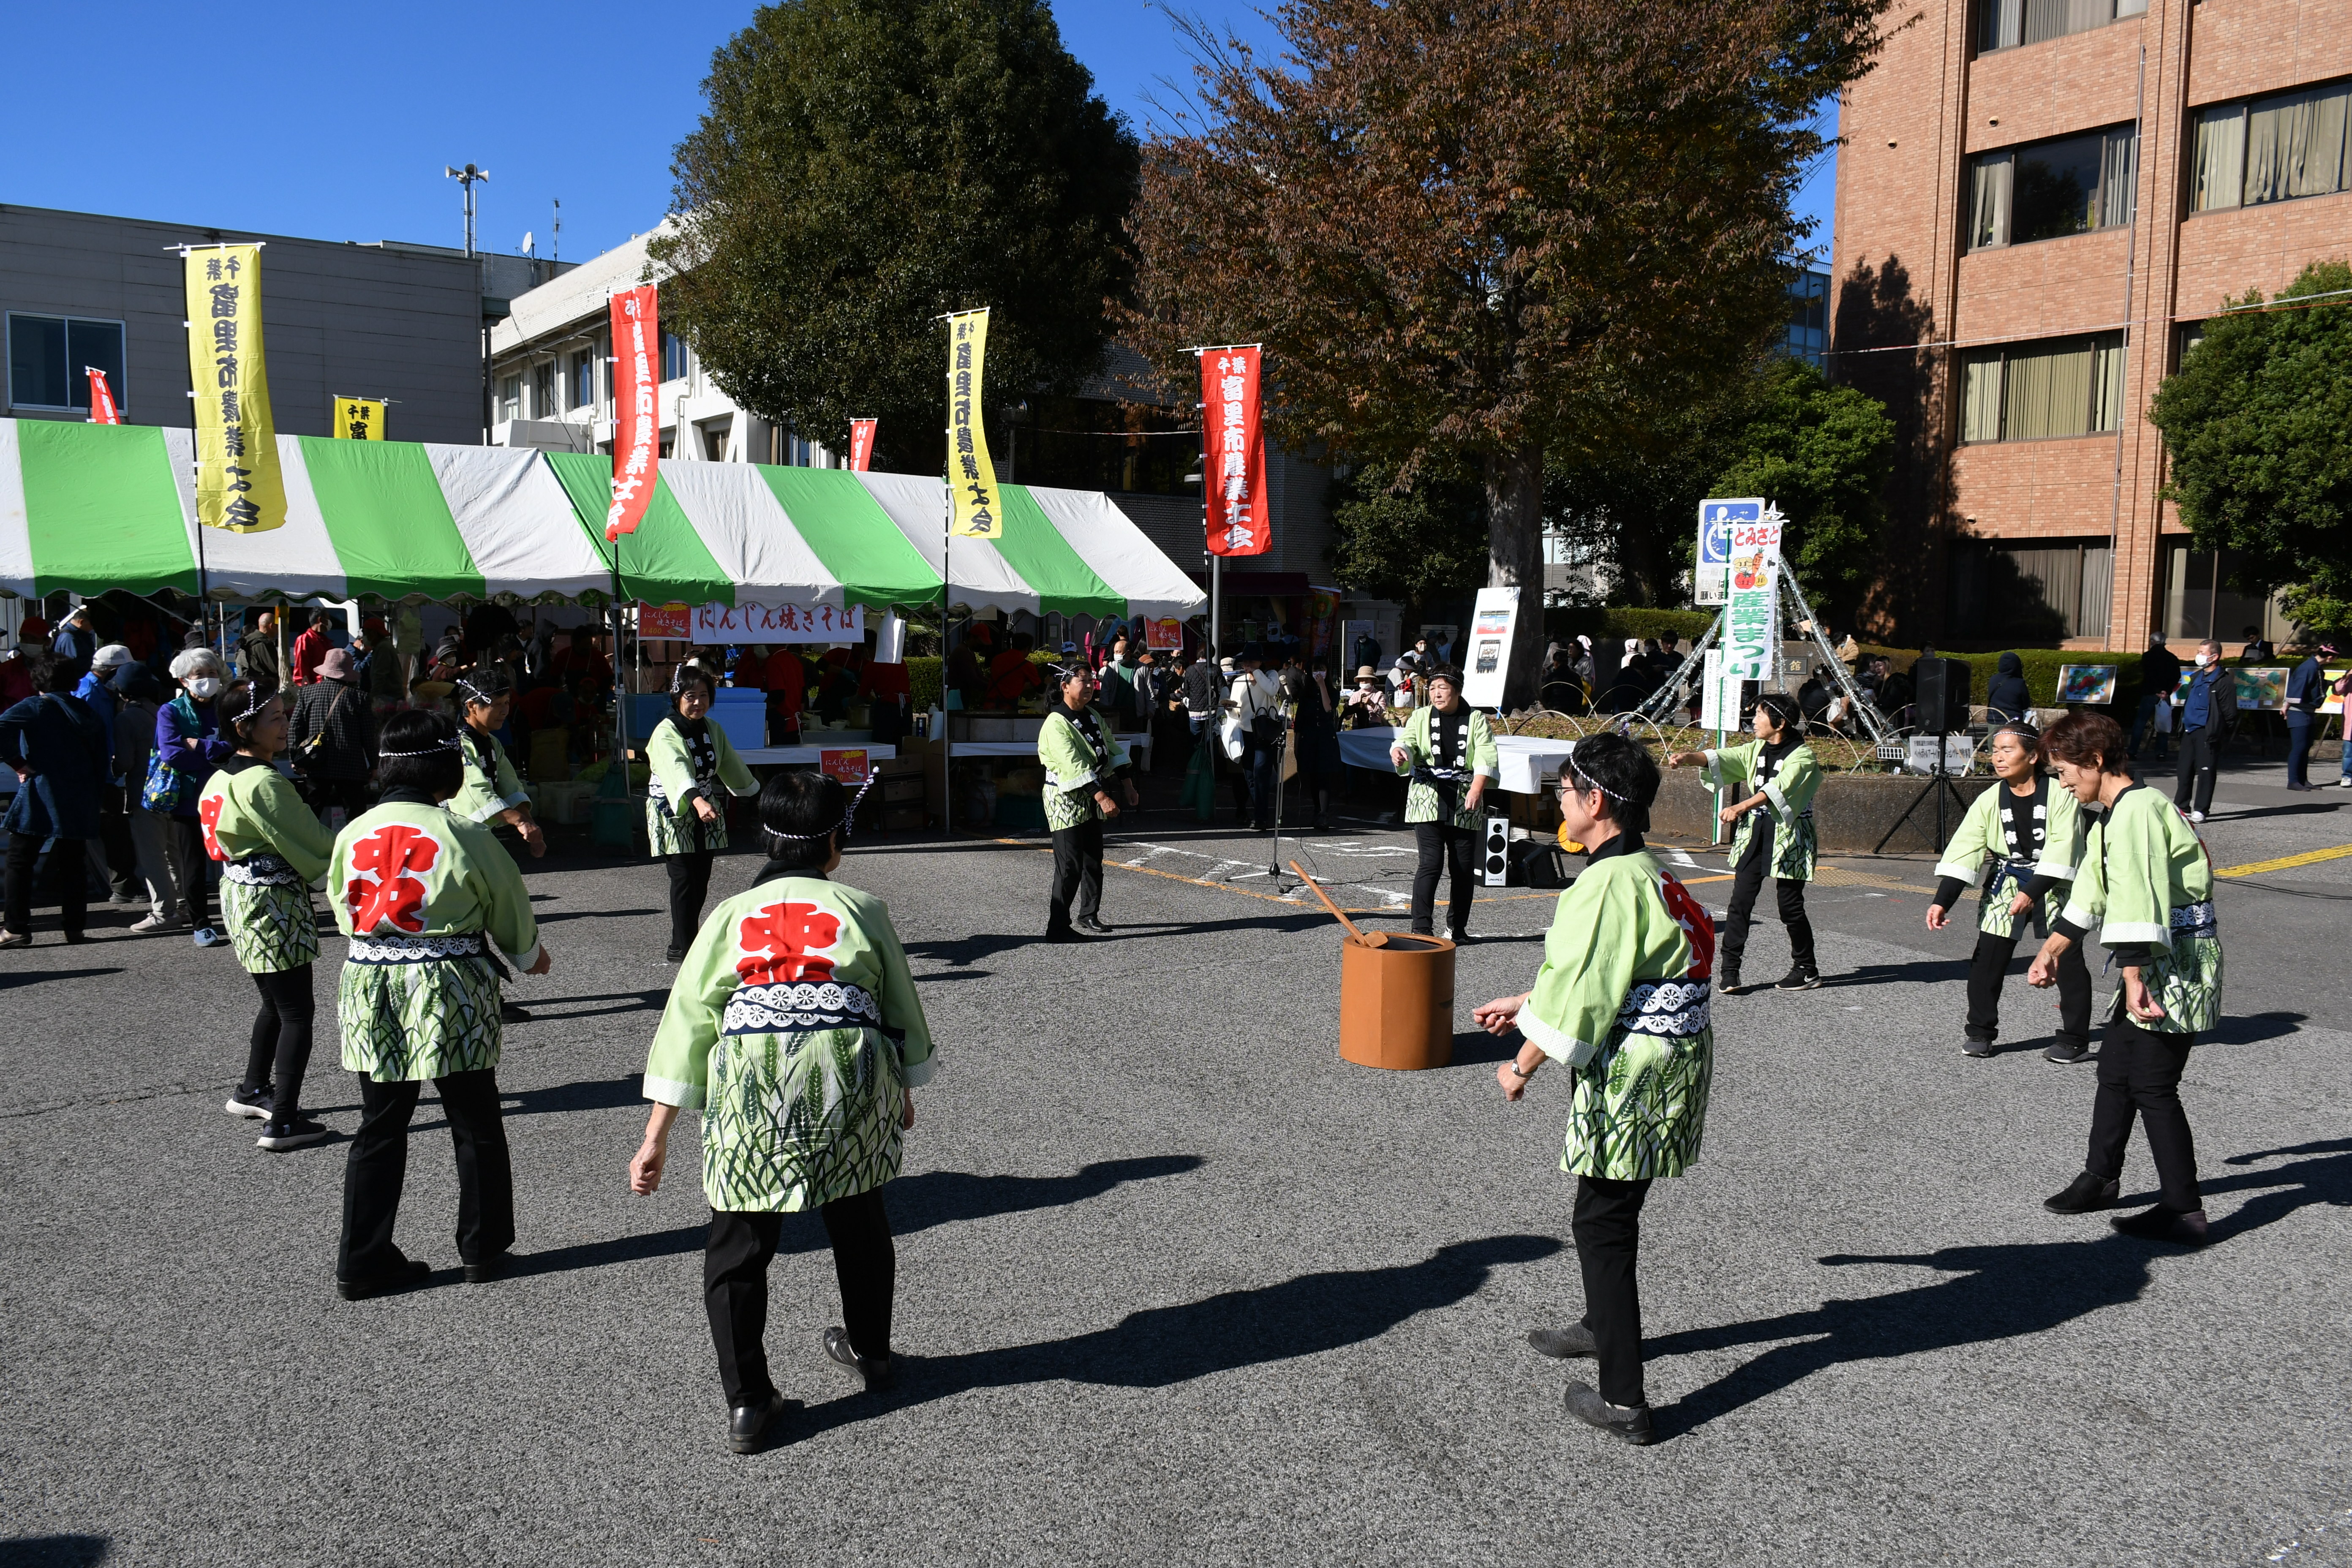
(1085, 765)
(186, 753)
(794, 1027)
(689, 759)
(1447, 750)
(1782, 774)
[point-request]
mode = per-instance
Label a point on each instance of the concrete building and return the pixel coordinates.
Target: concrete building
(2038, 202)
(339, 319)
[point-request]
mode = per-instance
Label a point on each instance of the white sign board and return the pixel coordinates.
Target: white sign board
(793, 622)
(1751, 614)
(1485, 654)
(1711, 571)
(1958, 750)
(1719, 700)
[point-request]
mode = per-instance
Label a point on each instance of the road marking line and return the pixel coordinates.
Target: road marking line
(2286, 862)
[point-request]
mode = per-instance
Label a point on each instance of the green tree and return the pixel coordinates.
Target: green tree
(865, 165)
(2255, 423)
(1415, 543)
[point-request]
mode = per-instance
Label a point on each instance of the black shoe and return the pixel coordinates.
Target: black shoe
(880, 1372)
(1972, 1047)
(510, 1013)
(747, 1425)
(1065, 933)
(2065, 1051)
(1728, 983)
(281, 1133)
(405, 1275)
(2085, 1194)
(1093, 923)
(1458, 937)
(1561, 1343)
(250, 1103)
(674, 954)
(2161, 1224)
(1803, 977)
(1629, 1423)
(488, 1269)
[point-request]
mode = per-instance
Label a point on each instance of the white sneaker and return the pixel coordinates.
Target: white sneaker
(2345, 782)
(2196, 816)
(149, 923)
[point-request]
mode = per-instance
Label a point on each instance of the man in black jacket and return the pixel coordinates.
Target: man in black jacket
(2159, 673)
(2208, 706)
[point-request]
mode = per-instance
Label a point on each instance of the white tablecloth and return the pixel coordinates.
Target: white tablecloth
(806, 756)
(967, 748)
(1521, 761)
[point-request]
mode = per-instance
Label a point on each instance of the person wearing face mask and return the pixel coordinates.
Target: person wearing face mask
(2208, 706)
(186, 752)
(690, 760)
(492, 796)
(1774, 838)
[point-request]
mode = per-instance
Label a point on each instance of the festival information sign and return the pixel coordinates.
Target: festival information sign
(1233, 455)
(1751, 613)
(101, 398)
(973, 511)
(861, 444)
(807, 621)
(238, 484)
(850, 766)
(673, 622)
(636, 409)
(1494, 619)
(1165, 635)
(359, 419)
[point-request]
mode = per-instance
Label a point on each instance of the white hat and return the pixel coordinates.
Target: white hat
(112, 655)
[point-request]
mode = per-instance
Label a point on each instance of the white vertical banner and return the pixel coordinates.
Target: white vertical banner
(1486, 656)
(1751, 614)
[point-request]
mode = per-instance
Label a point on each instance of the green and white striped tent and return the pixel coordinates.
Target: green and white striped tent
(90, 507)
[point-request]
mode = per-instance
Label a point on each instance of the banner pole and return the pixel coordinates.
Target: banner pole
(946, 597)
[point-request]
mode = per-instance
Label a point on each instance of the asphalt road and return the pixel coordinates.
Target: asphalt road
(1178, 1286)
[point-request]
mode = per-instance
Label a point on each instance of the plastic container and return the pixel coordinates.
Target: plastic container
(741, 714)
(1396, 1002)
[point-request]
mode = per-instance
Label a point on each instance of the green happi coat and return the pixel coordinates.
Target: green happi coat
(2147, 884)
(1622, 1000)
(1787, 792)
(1422, 801)
(793, 1026)
(421, 892)
(1076, 767)
(682, 767)
(2013, 841)
(490, 784)
(271, 848)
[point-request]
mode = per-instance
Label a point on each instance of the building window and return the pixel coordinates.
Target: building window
(673, 349)
(1809, 316)
(2030, 391)
(2272, 149)
(2052, 189)
(542, 390)
(49, 356)
(2006, 23)
(2024, 592)
(583, 380)
(510, 397)
(2199, 603)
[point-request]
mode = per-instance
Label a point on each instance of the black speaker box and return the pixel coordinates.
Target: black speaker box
(1940, 688)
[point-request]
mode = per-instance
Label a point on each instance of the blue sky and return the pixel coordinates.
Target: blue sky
(355, 110)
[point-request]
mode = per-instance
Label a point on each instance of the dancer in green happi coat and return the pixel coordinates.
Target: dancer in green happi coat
(1770, 781)
(1086, 782)
(1447, 751)
(2147, 885)
(690, 761)
(1621, 1004)
(794, 1028)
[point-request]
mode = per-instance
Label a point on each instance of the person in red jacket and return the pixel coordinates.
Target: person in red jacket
(311, 647)
(787, 685)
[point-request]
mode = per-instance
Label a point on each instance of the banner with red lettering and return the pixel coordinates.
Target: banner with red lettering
(861, 444)
(636, 409)
(1233, 455)
(101, 399)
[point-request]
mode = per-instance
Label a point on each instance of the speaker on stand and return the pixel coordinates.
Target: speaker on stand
(1494, 852)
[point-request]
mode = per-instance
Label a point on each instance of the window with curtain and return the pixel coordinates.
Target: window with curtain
(2047, 190)
(2006, 23)
(2272, 149)
(2035, 391)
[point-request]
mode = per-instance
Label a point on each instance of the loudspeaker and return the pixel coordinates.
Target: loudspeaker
(1495, 855)
(1940, 687)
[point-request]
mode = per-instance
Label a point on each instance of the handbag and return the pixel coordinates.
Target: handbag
(1229, 735)
(162, 791)
(309, 748)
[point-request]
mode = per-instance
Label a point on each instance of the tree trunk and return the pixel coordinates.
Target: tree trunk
(1515, 559)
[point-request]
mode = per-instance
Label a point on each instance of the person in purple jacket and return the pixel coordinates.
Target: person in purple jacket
(186, 753)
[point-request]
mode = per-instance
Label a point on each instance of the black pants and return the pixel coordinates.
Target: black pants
(1077, 874)
(735, 1286)
(1451, 851)
(1608, 1230)
(1748, 880)
(1264, 760)
(353, 795)
(279, 1053)
(121, 854)
(2300, 729)
(65, 871)
(2139, 1074)
(1989, 967)
(2201, 756)
(379, 1165)
(689, 887)
(191, 869)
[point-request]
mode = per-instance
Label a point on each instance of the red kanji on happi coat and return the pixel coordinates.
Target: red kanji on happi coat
(780, 943)
(388, 855)
(208, 810)
(1695, 923)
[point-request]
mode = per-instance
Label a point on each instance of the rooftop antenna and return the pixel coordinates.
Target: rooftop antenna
(555, 246)
(469, 177)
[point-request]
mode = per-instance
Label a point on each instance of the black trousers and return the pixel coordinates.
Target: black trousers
(689, 888)
(353, 795)
(1452, 852)
(1264, 760)
(1748, 880)
(1608, 1230)
(191, 869)
(735, 1286)
(1989, 967)
(2300, 729)
(65, 871)
(1077, 874)
(2201, 756)
(378, 1166)
(2139, 1075)
(279, 1053)
(121, 854)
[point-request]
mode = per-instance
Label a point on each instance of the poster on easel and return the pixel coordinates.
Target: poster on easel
(1486, 654)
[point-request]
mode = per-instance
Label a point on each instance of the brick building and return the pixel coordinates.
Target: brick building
(2038, 202)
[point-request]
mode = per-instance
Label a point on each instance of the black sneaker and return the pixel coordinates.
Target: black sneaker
(2085, 1194)
(1092, 923)
(1459, 936)
(250, 1103)
(279, 1135)
(2161, 1224)
(1972, 1047)
(405, 1275)
(1575, 1340)
(2065, 1052)
(1628, 1423)
(1728, 983)
(879, 1373)
(1799, 979)
(488, 1269)
(747, 1425)
(1065, 933)
(674, 954)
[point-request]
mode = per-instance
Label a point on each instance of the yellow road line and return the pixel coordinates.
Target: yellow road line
(2286, 862)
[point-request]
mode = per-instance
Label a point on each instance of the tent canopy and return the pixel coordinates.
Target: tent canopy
(90, 507)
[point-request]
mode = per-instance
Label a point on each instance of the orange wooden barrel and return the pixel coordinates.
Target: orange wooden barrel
(1396, 1002)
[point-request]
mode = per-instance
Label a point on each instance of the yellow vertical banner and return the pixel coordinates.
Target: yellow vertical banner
(359, 419)
(238, 486)
(973, 511)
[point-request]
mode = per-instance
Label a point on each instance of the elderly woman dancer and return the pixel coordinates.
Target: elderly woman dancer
(2147, 885)
(686, 821)
(422, 893)
(794, 1027)
(1621, 1002)
(271, 848)
(1447, 750)
(1085, 765)
(1780, 774)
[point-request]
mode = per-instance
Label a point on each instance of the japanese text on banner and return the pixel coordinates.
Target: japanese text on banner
(101, 398)
(1751, 615)
(1233, 456)
(238, 485)
(636, 409)
(359, 419)
(807, 621)
(861, 445)
(974, 511)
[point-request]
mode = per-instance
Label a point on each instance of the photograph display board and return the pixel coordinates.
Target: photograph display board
(1486, 658)
(2090, 683)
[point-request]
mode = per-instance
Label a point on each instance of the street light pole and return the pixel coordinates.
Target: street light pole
(469, 176)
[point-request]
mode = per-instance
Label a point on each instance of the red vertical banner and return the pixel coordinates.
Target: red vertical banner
(861, 444)
(636, 409)
(101, 399)
(1232, 453)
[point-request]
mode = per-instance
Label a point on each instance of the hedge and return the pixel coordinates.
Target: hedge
(1565, 625)
(2041, 664)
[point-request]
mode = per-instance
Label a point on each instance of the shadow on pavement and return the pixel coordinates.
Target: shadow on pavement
(15, 978)
(2319, 1181)
(591, 915)
(55, 1550)
(1928, 969)
(2252, 1029)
